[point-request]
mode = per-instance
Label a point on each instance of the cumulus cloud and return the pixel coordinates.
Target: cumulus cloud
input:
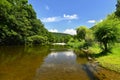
(70, 31)
(59, 18)
(51, 19)
(70, 17)
(94, 21)
(91, 21)
(53, 30)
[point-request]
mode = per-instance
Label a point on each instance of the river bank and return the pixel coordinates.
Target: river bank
(104, 67)
(109, 61)
(95, 68)
(102, 73)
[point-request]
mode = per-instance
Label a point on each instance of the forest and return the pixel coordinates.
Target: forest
(19, 24)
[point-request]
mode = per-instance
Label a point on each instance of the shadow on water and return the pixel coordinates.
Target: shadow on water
(86, 65)
(89, 71)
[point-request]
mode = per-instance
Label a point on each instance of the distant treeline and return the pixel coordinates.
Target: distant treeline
(61, 37)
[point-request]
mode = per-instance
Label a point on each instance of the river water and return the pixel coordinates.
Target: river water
(44, 63)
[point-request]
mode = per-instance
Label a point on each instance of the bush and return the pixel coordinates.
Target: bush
(36, 39)
(76, 43)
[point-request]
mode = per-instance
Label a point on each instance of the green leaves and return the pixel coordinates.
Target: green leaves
(117, 12)
(18, 21)
(107, 31)
(36, 39)
(81, 32)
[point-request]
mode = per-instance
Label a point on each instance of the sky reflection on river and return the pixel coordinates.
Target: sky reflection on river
(61, 66)
(61, 58)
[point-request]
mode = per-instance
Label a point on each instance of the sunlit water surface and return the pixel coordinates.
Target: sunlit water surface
(42, 63)
(61, 66)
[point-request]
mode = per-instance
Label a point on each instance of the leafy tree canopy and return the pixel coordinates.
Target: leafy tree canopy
(81, 32)
(18, 21)
(107, 31)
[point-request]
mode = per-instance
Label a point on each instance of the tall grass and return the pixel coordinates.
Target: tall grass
(112, 60)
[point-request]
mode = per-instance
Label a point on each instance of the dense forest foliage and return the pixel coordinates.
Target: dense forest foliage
(19, 24)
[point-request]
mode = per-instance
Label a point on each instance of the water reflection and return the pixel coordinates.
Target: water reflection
(50, 62)
(20, 62)
(55, 58)
(61, 65)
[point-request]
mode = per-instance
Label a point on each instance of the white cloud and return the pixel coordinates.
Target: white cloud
(70, 17)
(91, 21)
(53, 30)
(59, 18)
(94, 21)
(47, 8)
(70, 31)
(51, 19)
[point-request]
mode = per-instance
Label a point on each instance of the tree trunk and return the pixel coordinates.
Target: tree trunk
(105, 46)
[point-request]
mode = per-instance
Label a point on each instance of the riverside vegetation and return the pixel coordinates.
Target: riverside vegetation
(102, 41)
(19, 26)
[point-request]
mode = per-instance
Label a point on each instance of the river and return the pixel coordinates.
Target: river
(47, 63)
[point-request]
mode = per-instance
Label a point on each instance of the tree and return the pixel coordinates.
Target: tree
(117, 12)
(36, 39)
(81, 32)
(85, 35)
(107, 32)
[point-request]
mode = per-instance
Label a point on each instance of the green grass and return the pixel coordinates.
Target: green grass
(95, 49)
(112, 60)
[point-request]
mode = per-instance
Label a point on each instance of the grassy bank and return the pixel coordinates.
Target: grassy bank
(111, 60)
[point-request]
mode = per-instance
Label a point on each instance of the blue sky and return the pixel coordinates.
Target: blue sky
(66, 15)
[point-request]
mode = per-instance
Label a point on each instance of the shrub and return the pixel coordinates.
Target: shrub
(36, 39)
